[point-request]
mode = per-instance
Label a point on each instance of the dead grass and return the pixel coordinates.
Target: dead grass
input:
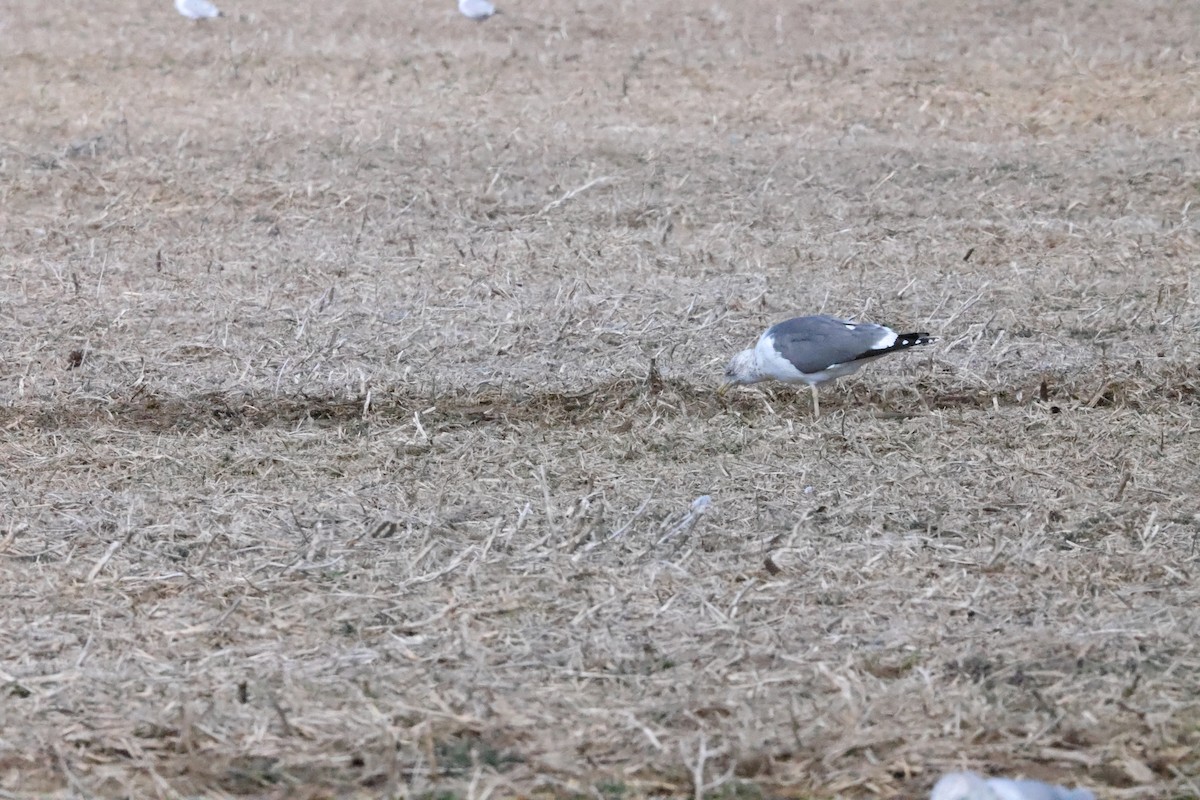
(357, 384)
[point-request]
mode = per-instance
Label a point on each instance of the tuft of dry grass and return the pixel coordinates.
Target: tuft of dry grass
(357, 391)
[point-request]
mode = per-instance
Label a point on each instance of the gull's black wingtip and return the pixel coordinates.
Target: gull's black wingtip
(913, 340)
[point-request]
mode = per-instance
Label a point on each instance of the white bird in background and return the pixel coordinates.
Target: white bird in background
(478, 10)
(197, 9)
(969, 786)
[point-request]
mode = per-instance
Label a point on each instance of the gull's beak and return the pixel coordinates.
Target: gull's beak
(723, 389)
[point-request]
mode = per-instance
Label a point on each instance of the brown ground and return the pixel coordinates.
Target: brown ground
(334, 462)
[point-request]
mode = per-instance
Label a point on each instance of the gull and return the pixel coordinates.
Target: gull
(969, 786)
(813, 350)
(197, 9)
(478, 10)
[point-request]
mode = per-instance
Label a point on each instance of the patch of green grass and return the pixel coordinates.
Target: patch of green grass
(612, 790)
(438, 794)
(460, 756)
(738, 790)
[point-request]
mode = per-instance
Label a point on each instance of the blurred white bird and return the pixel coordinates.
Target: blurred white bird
(197, 9)
(969, 786)
(478, 10)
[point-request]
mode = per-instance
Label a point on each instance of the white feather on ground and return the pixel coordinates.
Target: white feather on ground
(969, 786)
(477, 10)
(197, 9)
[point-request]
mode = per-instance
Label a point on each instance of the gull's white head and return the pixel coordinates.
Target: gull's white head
(742, 369)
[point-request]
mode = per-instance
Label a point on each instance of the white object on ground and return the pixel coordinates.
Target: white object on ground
(197, 9)
(694, 512)
(969, 786)
(813, 350)
(478, 10)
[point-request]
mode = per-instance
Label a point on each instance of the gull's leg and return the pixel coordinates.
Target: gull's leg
(816, 401)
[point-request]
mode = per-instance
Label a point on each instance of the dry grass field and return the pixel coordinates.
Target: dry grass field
(358, 368)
